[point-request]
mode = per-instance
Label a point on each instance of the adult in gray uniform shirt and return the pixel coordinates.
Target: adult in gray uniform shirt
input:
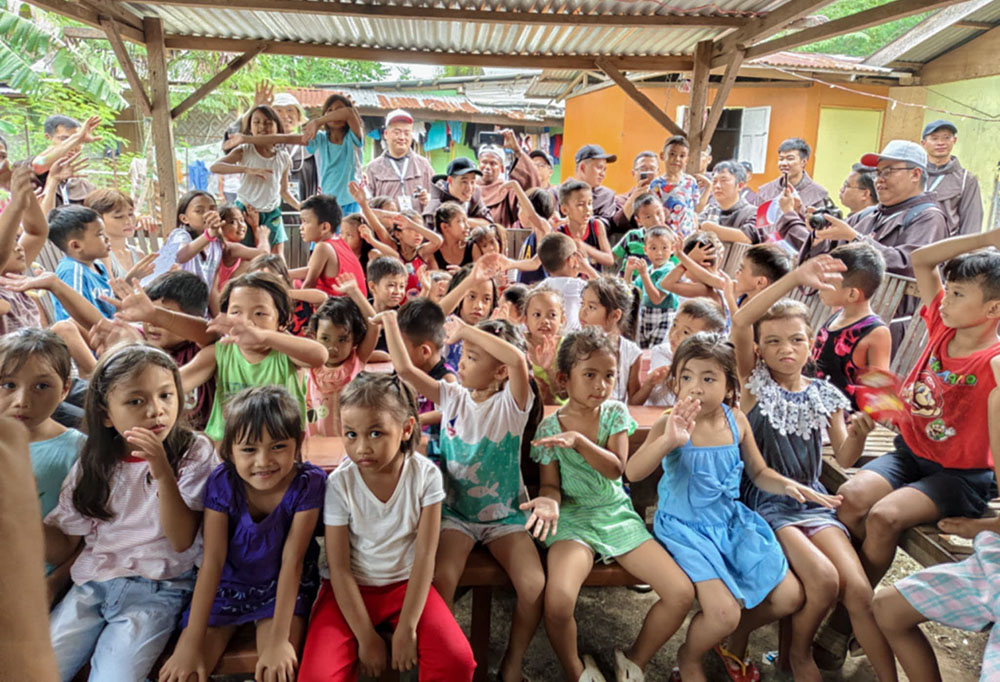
(955, 188)
(399, 172)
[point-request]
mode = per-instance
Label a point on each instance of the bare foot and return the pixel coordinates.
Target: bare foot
(969, 528)
(690, 667)
(804, 668)
(512, 672)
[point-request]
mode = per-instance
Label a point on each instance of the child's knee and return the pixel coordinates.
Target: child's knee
(858, 594)
(788, 597)
(885, 605)
(821, 584)
(724, 617)
(678, 596)
(885, 519)
(559, 603)
(854, 505)
(529, 583)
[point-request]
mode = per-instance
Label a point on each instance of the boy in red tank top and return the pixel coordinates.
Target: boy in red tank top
(332, 255)
(943, 465)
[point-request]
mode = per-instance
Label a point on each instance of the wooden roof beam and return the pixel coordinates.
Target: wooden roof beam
(854, 22)
(218, 79)
(111, 30)
(87, 15)
(437, 12)
(764, 27)
(623, 63)
(648, 105)
(725, 86)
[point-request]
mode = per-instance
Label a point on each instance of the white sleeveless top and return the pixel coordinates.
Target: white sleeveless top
(264, 194)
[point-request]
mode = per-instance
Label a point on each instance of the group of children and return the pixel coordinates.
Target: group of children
(206, 369)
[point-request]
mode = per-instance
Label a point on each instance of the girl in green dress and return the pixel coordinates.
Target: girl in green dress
(583, 513)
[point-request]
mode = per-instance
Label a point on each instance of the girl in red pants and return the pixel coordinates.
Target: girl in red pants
(383, 518)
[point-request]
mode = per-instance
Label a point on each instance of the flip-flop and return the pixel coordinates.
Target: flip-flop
(739, 671)
(675, 676)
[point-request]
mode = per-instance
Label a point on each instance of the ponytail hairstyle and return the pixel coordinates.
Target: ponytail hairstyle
(387, 393)
(105, 448)
(252, 411)
(707, 346)
(615, 294)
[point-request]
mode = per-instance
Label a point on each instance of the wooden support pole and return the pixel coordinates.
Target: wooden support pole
(648, 105)
(110, 27)
(728, 79)
(163, 136)
(217, 80)
(699, 98)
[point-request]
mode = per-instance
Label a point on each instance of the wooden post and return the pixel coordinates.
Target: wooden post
(728, 79)
(699, 98)
(163, 135)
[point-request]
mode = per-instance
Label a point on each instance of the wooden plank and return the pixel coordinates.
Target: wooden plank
(554, 61)
(719, 103)
(971, 60)
(629, 88)
(117, 10)
(924, 31)
(86, 15)
(978, 25)
(446, 13)
(111, 30)
(163, 135)
(764, 27)
(218, 79)
(853, 22)
(699, 98)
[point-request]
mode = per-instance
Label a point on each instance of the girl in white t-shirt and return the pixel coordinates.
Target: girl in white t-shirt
(383, 515)
(611, 304)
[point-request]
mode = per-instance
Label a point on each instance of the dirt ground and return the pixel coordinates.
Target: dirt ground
(611, 617)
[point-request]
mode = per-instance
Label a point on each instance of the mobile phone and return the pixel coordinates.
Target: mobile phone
(417, 192)
(645, 175)
(784, 179)
(486, 137)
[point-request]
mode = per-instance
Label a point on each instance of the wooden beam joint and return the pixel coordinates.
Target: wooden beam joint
(219, 78)
(630, 89)
(111, 30)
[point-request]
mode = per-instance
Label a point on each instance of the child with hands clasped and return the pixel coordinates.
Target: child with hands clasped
(483, 422)
(583, 512)
(543, 313)
(728, 551)
(194, 244)
(658, 304)
(382, 517)
(134, 499)
(788, 413)
(259, 564)
(611, 304)
(255, 349)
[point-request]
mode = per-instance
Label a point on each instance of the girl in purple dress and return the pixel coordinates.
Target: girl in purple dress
(261, 508)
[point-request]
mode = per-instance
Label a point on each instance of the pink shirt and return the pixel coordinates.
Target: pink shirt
(323, 387)
(133, 543)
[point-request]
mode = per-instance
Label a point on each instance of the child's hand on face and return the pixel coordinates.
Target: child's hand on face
(821, 272)
(366, 234)
(404, 649)
(702, 253)
(453, 328)
(680, 422)
(544, 519)
(277, 661)
(149, 448)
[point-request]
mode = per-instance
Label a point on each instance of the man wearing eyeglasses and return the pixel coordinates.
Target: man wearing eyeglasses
(906, 218)
(954, 187)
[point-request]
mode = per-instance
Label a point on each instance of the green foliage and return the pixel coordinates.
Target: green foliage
(450, 71)
(861, 43)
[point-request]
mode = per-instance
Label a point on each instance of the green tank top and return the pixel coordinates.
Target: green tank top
(233, 373)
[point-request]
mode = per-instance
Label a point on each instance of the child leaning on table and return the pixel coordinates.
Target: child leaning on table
(382, 518)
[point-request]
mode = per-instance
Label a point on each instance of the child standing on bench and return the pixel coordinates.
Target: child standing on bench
(788, 413)
(728, 551)
(583, 512)
(483, 422)
(259, 565)
(382, 517)
(134, 500)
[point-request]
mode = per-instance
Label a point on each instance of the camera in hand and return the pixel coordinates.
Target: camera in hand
(818, 220)
(486, 137)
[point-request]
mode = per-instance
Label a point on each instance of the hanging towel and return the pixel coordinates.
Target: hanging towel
(437, 137)
(455, 131)
(198, 176)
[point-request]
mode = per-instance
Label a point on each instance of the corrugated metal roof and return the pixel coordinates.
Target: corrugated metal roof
(449, 35)
(951, 37)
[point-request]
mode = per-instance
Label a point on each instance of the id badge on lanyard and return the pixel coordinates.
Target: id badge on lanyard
(404, 200)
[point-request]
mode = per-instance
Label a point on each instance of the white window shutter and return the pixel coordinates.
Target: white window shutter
(754, 126)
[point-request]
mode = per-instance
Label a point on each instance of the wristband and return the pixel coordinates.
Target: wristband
(209, 237)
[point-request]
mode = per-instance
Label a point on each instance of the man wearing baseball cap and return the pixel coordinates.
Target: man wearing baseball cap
(955, 188)
(458, 184)
(399, 172)
(906, 218)
(544, 164)
(591, 167)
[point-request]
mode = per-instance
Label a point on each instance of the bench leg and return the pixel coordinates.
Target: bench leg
(784, 642)
(482, 604)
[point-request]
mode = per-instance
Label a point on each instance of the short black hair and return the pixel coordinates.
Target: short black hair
(768, 260)
(570, 187)
(421, 320)
(18, 346)
(186, 289)
(982, 267)
(796, 144)
(341, 311)
(267, 282)
(554, 249)
(542, 201)
(53, 122)
(326, 208)
(69, 222)
(865, 267)
(734, 168)
(384, 266)
(645, 199)
(517, 296)
(866, 178)
(659, 231)
(644, 155)
(677, 139)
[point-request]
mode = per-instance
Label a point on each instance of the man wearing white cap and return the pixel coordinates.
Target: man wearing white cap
(502, 202)
(906, 218)
(400, 172)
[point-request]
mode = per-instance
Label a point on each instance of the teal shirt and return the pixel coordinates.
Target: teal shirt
(51, 461)
(338, 163)
(656, 274)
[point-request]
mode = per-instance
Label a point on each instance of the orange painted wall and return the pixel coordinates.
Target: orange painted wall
(611, 119)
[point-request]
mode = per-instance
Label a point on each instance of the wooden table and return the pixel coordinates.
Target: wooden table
(324, 451)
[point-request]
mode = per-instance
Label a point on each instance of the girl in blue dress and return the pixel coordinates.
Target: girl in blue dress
(728, 551)
(261, 508)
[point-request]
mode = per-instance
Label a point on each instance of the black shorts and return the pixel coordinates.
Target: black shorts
(956, 492)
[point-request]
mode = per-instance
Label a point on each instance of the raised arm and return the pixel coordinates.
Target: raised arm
(408, 372)
(200, 369)
(76, 306)
(695, 269)
(10, 218)
(302, 351)
(927, 258)
(485, 269)
(347, 285)
(726, 234)
(83, 135)
(511, 357)
(134, 305)
(670, 431)
(607, 461)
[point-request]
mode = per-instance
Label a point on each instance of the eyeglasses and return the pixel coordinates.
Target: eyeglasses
(847, 186)
(885, 172)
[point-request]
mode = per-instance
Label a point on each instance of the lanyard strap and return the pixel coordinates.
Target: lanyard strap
(401, 172)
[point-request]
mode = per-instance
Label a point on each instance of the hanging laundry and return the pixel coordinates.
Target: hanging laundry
(198, 175)
(455, 131)
(437, 136)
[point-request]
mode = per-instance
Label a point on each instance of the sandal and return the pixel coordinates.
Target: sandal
(739, 671)
(591, 673)
(830, 647)
(626, 670)
(675, 676)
